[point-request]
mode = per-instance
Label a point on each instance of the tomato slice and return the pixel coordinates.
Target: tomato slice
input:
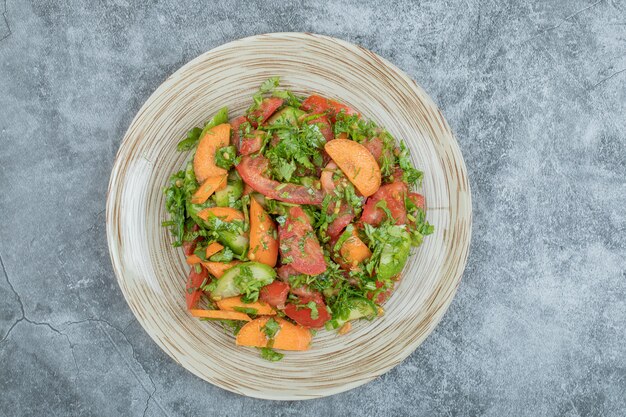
(190, 247)
(383, 296)
(235, 139)
(251, 143)
(345, 213)
(267, 107)
(275, 294)
(195, 280)
(286, 271)
(393, 194)
(319, 104)
(324, 126)
(375, 146)
(418, 200)
(299, 244)
(252, 171)
(302, 315)
(335, 228)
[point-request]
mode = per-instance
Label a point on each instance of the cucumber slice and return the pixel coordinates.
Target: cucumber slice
(358, 307)
(287, 115)
(231, 193)
(237, 242)
(243, 278)
(394, 256)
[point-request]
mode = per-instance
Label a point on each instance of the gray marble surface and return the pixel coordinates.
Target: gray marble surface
(536, 93)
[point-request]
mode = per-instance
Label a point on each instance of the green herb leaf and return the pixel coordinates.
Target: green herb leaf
(271, 355)
(192, 139)
(284, 170)
(225, 255)
(246, 310)
(271, 328)
(314, 312)
(249, 285)
(226, 157)
(269, 85)
(175, 205)
(411, 175)
(290, 98)
(194, 135)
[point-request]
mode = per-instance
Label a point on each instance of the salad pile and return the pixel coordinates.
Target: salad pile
(296, 216)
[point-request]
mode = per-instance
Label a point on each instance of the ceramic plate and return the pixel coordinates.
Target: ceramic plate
(152, 274)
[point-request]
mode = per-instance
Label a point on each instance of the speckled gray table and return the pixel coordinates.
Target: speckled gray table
(536, 93)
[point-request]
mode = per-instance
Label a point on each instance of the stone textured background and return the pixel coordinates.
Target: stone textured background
(536, 93)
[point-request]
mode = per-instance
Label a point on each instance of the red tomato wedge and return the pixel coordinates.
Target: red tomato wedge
(190, 247)
(375, 146)
(235, 139)
(418, 200)
(195, 280)
(393, 194)
(267, 107)
(286, 271)
(324, 126)
(252, 171)
(275, 294)
(319, 104)
(383, 296)
(302, 315)
(335, 228)
(299, 244)
(251, 143)
(345, 213)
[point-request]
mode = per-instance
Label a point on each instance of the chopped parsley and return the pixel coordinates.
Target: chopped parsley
(271, 355)
(271, 328)
(226, 157)
(295, 164)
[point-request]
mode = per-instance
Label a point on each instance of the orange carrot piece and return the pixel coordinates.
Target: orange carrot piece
(232, 303)
(345, 328)
(219, 314)
(204, 160)
(217, 269)
(354, 251)
(263, 243)
(289, 337)
(227, 214)
(342, 135)
(193, 259)
(212, 249)
(208, 187)
(357, 163)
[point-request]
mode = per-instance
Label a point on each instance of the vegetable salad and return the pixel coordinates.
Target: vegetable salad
(296, 216)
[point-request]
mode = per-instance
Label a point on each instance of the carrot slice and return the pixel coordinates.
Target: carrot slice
(354, 251)
(193, 259)
(204, 160)
(217, 269)
(228, 214)
(208, 187)
(219, 315)
(289, 337)
(357, 163)
(233, 303)
(263, 243)
(213, 248)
